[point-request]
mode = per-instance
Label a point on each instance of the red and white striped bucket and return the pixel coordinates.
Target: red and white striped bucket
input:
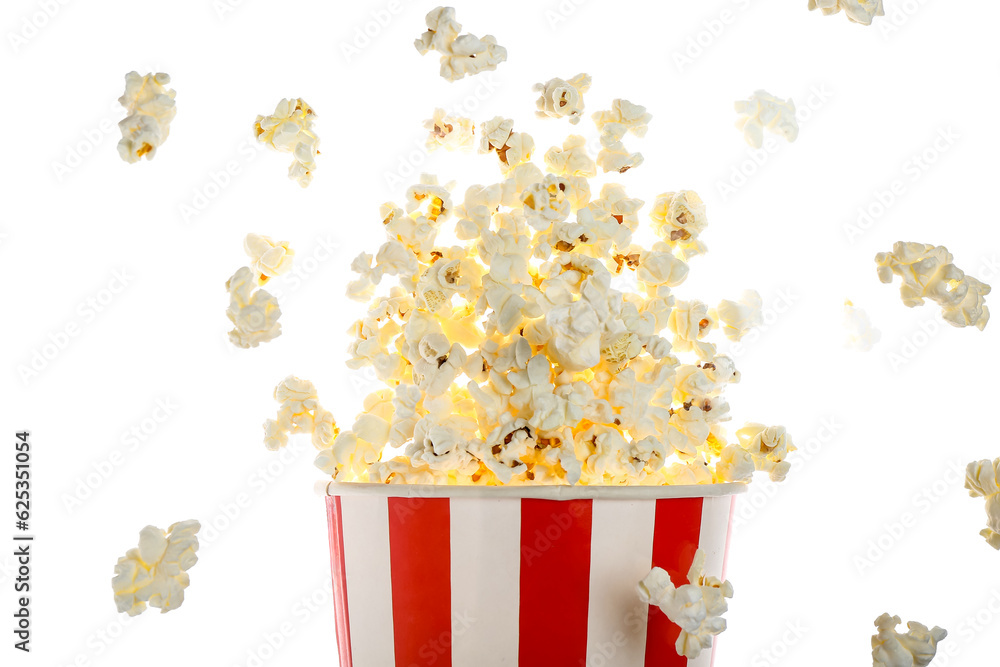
(515, 576)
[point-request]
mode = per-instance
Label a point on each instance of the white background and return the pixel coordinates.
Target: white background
(903, 416)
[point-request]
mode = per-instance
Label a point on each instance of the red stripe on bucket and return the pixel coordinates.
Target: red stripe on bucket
(676, 533)
(420, 552)
(555, 582)
(334, 515)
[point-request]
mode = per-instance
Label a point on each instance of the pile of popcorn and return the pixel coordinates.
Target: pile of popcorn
(927, 272)
(507, 352)
(149, 108)
(156, 571)
(696, 607)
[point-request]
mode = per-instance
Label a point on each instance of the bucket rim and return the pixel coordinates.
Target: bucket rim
(545, 492)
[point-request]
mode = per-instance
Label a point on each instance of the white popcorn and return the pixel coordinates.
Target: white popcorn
(769, 446)
(507, 356)
(156, 571)
(737, 318)
(916, 648)
(861, 335)
(697, 607)
(267, 257)
(679, 218)
(299, 412)
(461, 55)
(149, 108)
(253, 312)
(764, 110)
(982, 479)
(562, 99)
(449, 132)
(290, 130)
(623, 117)
(927, 272)
(858, 11)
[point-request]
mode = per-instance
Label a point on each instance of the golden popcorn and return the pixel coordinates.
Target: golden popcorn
(290, 130)
(149, 107)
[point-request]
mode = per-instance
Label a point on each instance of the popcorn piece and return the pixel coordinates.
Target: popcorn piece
(623, 117)
(858, 11)
(449, 132)
(697, 607)
(299, 412)
(149, 108)
(764, 110)
(916, 648)
(768, 445)
(156, 571)
(861, 335)
(512, 148)
(571, 159)
(927, 272)
(268, 259)
(982, 479)
(290, 130)
(738, 318)
(562, 99)
(254, 312)
(679, 218)
(461, 55)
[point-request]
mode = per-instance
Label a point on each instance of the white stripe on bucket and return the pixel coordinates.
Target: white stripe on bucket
(485, 569)
(714, 530)
(620, 555)
(369, 583)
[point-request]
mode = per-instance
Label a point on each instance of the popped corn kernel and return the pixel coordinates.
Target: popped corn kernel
(290, 130)
(858, 11)
(149, 108)
(861, 335)
(679, 218)
(738, 318)
(982, 479)
(916, 648)
(927, 272)
(461, 55)
(253, 312)
(764, 110)
(623, 117)
(156, 571)
(571, 159)
(449, 132)
(769, 446)
(299, 412)
(512, 148)
(267, 257)
(697, 606)
(562, 99)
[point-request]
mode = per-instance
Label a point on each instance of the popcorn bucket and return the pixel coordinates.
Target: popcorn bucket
(515, 576)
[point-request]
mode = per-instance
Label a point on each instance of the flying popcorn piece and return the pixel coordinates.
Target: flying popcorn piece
(769, 447)
(916, 648)
(155, 573)
(765, 111)
(861, 335)
(149, 108)
(623, 117)
(267, 257)
(927, 272)
(253, 312)
(461, 55)
(299, 412)
(562, 99)
(858, 11)
(738, 318)
(982, 479)
(290, 130)
(696, 607)
(449, 132)
(679, 218)
(512, 148)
